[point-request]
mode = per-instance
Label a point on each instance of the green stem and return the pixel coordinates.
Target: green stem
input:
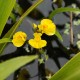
(31, 8)
(41, 69)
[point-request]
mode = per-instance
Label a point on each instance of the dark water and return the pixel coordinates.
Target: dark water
(57, 55)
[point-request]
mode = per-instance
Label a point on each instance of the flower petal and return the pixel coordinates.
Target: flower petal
(19, 38)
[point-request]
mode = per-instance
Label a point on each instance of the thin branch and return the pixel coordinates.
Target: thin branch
(71, 29)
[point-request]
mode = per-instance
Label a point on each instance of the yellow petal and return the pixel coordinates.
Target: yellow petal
(32, 42)
(47, 27)
(46, 21)
(37, 34)
(19, 38)
(37, 45)
(42, 43)
(17, 43)
(50, 30)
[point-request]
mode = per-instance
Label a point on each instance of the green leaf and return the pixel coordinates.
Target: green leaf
(16, 25)
(6, 7)
(3, 40)
(13, 17)
(59, 35)
(59, 10)
(70, 71)
(9, 66)
(18, 9)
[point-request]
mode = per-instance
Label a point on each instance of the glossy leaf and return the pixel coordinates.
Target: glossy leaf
(6, 7)
(59, 35)
(3, 40)
(9, 66)
(16, 25)
(59, 10)
(70, 71)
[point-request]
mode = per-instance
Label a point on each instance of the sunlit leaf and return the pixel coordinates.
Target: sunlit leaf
(3, 40)
(59, 10)
(6, 7)
(59, 35)
(70, 71)
(9, 66)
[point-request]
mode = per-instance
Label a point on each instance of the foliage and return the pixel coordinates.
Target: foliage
(5, 10)
(70, 71)
(7, 67)
(59, 10)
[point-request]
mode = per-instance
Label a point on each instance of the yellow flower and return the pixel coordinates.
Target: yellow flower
(34, 26)
(47, 27)
(19, 38)
(37, 42)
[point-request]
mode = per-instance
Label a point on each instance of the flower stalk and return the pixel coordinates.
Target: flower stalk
(71, 29)
(41, 69)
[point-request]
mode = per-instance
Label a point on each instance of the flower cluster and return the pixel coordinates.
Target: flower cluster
(46, 26)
